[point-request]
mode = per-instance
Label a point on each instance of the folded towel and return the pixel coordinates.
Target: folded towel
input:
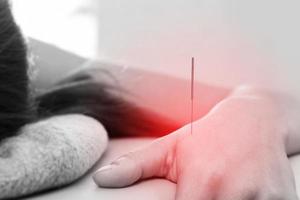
(50, 153)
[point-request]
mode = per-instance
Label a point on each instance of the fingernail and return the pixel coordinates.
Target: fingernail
(110, 166)
(119, 160)
(103, 169)
(97, 175)
(101, 177)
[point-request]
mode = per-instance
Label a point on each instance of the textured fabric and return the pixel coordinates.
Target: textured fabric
(49, 154)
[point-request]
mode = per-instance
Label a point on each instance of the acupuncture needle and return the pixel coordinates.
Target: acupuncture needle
(192, 93)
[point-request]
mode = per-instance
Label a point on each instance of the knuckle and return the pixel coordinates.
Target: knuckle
(244, 193)
(251, 194)
(216, 178)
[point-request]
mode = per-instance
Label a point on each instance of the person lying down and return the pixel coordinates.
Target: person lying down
(238, 150)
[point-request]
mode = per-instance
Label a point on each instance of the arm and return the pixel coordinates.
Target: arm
(48, 69)
(169, 96)
(158, 85)
(163, 94)
(49, 153)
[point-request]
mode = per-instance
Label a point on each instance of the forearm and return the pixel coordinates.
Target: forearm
(166, 95)
(170, 96)
(50, 153)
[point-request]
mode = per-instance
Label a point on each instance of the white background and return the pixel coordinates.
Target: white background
(234, 41)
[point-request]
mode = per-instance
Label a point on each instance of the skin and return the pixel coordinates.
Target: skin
(238, 151)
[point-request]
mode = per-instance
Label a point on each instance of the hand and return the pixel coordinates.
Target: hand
(236, 152)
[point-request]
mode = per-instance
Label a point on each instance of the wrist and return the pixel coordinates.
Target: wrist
(276, 106)
(259, 108)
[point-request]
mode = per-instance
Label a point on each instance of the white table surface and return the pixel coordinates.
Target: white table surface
(157, 189)
(85, 188)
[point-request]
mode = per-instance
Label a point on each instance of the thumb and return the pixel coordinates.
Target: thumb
(147, 162)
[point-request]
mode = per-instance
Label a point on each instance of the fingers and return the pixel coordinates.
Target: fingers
(151, 161)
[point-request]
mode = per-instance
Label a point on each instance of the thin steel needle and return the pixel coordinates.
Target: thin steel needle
(192, 93)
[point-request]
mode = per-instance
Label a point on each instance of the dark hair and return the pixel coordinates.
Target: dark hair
(79, 93)
(15, 108)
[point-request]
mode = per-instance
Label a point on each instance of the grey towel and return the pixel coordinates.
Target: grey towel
(50, 153)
